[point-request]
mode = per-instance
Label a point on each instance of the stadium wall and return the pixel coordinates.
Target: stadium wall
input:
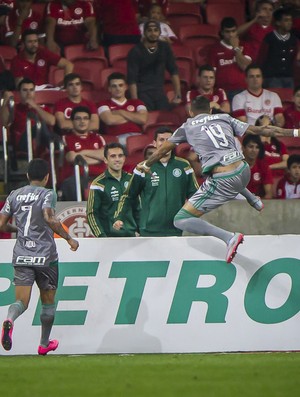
(166, 295)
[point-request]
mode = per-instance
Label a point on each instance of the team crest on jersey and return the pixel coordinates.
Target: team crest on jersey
(267, 102)
(33, 25)
(74, 219)
(216, 98)
(78, 11)
(130, 108)
(41, 62)
(256, 176)
(177, 172)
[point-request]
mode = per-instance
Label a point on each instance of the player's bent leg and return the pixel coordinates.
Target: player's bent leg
(47, 318)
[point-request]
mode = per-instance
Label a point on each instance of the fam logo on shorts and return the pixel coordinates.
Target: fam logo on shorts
(177, 172)
(74, 218)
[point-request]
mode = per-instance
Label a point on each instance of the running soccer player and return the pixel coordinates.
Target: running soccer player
(228, 174)
(35, 256)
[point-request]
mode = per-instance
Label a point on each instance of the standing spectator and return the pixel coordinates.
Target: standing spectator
(276, 153)
(85, 143)
(261, 180)
(70, 22)
(206, 87)
(121, 117)
(34, 61)
(255, 101)
(21, 18)
(156, 13)
(105, 193)
(26, 107)
(63, 108)
(33, 207)
(289, 186)
(278, 52)
(162, 193)
(255, 30)
(292, 113)
(146, 65)
(118, 22)
(230, 59)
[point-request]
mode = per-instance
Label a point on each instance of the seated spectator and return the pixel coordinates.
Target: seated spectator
(146, 65)
(156, 13)
(278, 52)
(70, 22)
(289, 186)
(230, 59)
(255, 101)
(120, 116)
(206, 87)
(255, 30)
(86, 143)
(21, 18)
(276, 153)
(143, 7)
(261, 179)
(149, 150)
(104, 196)
(292, 113)
(63, 108)
(34, 61)
(26, 108)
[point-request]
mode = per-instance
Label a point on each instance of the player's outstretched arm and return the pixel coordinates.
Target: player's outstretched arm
(57, 228)
(271, 130)
(156, 156)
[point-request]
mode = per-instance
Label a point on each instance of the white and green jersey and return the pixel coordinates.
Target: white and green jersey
(212, 137)
(35, 244)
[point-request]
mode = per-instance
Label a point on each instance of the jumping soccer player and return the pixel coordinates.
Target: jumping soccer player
(35, 256)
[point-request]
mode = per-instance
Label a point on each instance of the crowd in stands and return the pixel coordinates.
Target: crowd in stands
(114, 71)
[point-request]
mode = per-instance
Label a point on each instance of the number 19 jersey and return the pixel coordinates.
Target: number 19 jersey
(212, 137)
(35, 245)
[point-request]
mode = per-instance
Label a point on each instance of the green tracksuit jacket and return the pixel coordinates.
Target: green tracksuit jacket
(162, 194)
(104, 195)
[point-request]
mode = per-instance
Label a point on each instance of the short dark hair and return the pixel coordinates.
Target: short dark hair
(28, 32)
(161, 130)
(200, 104)
(261, 2)
(296, 89)
(37, 169)
(113, 145)
(204, 68)
(256, 139)
(253, 66)
(26, 80)
(116, 76)
(70, 77)
(227, 23)
(279, 13)
(80, 109)
(294, 158)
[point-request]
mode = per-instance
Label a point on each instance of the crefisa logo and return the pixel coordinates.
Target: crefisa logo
(74, 219)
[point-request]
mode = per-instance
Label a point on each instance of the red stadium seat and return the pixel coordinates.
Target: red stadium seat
(78, 52)
(292, 144)
(7, 53)
(215, 12)
(183, 9)
(193, 36)
(135, 147)
(117, 55)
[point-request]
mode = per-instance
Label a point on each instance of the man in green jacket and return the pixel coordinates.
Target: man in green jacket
(162, 193)
(105, 193)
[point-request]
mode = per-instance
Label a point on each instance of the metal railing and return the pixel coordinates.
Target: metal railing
(80, 162)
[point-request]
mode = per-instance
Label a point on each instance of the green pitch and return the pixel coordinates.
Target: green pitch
(169, 375)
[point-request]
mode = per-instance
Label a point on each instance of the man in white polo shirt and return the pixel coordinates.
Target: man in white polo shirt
(255, 101)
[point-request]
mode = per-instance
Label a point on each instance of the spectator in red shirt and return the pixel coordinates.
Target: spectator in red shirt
(21, 18)
(70, 22)
(63, 108)
(276, 153)
(292, 113)
(26, 108)
(121, 117)
(261, 177)
(86, 143)
(230, 59)
(34, 61)
(289, 186)
(206, 87)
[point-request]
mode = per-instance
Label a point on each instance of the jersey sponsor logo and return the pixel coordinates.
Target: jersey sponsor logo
(205, 119)
(27, 197)
(249, 109)
(30, 244)
(61, 21)
(224, 62)
(74, 218)
(41, 62)
(177, 172)
(30, 260)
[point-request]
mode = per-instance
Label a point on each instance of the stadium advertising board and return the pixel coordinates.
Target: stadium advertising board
(153, 295)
